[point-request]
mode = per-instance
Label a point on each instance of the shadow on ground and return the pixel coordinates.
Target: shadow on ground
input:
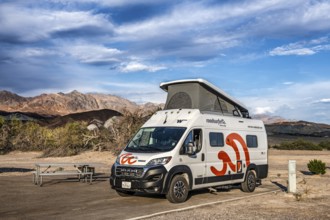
(14, 169)
(282, 187)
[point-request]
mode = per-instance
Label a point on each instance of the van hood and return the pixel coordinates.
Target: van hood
(140, 159)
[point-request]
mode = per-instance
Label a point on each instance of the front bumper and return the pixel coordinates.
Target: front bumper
(141, 179)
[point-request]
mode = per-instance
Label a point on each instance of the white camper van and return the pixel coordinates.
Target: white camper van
(202, 139)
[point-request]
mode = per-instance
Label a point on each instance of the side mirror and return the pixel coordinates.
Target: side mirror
(191, 149)
(236, 113)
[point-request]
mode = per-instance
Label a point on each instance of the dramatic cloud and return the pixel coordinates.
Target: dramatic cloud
(31, 25)
(269, 51)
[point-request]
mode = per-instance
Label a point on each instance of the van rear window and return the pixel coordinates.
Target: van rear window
(252, 141)
(216, 139)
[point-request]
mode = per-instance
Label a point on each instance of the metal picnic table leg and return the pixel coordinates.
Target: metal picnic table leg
(37, 175)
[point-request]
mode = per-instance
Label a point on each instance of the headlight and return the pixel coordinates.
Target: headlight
(118, 159)
(159, 161)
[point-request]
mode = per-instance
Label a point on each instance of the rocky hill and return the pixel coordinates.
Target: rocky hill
(57, 109)
(299, 128)
(68, 103)
(54, 121)
(267, 119)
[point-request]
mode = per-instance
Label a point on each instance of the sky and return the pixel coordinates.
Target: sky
(272, 55)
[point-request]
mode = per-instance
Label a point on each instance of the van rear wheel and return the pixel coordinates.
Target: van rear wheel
(179, 189)
(249, 184)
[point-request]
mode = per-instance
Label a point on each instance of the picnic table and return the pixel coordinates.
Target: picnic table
(81, 170)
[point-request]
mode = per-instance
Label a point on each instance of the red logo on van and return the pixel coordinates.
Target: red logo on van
(222, 155)
(127, 158)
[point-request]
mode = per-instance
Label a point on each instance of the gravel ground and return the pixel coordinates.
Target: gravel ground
(312, 200)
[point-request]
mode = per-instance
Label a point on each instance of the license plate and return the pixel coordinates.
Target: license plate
(126, 185)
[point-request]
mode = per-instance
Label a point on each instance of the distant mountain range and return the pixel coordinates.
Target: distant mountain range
(64, 104)
(57, 109)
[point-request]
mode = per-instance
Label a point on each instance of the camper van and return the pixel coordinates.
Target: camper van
(203, 138)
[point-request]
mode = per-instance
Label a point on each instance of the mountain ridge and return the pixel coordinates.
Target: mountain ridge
(68, 103)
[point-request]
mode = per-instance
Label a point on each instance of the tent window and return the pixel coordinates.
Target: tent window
(223, 106)
(180, 100)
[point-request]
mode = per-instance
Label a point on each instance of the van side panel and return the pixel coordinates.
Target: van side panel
(228, 161)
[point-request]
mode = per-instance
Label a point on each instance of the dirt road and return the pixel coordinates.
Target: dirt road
(70, 199)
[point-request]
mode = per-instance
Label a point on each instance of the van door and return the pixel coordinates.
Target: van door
(223, 162)
(192, 154)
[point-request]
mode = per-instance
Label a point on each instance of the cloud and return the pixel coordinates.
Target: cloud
(293, 18)
(325, 101)
(288, 83)
(302, 48)
(35, 24)
(263, 110)
(213, 29)
(281, 51)
(60, 44)
(136, 66)
(36, 52)
(93, 54)
(299, 101)
(140, 92)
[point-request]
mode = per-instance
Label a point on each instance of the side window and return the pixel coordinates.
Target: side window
(216, 139)
(194, 137)
(252, 141)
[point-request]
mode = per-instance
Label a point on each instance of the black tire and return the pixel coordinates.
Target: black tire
(179, 189)
(125, 193)
(250, 182)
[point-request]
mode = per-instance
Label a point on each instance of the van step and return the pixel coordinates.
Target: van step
(212, 190)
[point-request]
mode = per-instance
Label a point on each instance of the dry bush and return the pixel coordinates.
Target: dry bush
(298, 144)
(70, 139)
(67, 140)
(123, 128)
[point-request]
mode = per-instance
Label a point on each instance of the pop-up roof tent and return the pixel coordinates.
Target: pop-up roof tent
(202, 95)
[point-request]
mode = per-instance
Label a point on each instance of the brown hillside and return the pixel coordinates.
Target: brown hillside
(63, 104)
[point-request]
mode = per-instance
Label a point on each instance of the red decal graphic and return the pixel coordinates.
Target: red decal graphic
(127, 158)
(222, 155)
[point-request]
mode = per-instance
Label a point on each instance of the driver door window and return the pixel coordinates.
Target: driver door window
(195, 138)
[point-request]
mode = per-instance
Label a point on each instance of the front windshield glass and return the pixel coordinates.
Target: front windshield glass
(155, 139)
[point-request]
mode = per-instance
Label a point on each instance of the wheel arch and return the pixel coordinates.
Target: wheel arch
(253, 167)
(177, 170)
(261, 171)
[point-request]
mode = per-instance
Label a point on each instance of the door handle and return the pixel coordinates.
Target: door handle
(203, 156)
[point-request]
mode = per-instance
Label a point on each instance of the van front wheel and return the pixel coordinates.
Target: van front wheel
(249, 184)
(178, 191)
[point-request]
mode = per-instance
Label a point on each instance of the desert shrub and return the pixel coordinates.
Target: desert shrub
(67, 140)
(325, 145)
(316, 166)
(298, 145)
(30, 136)
(123, 128)
(9, 130)
(5, 145)
(98, 139)
(70, 139)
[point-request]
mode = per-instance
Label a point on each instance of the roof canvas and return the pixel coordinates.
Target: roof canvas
(217, 91)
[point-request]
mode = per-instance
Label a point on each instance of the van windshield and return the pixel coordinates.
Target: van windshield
(155, 139)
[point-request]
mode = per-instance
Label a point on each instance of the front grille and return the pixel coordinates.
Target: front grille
(129, 171)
